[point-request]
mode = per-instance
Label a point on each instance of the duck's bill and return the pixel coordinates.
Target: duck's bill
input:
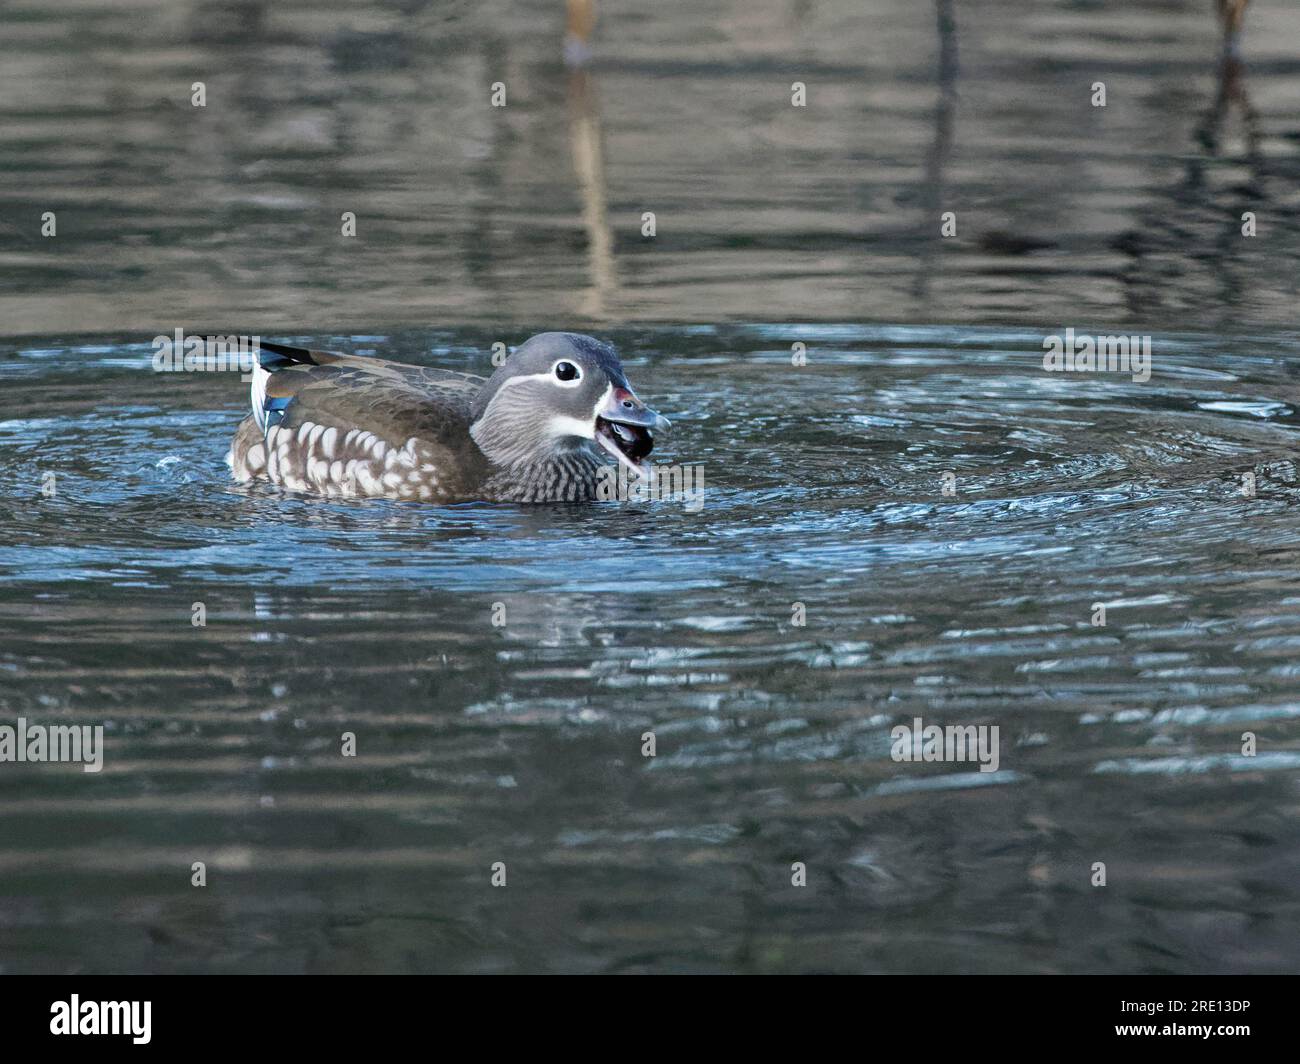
(630, 444)
(623, 427)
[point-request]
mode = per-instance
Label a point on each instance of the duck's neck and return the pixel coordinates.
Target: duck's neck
(567, 477)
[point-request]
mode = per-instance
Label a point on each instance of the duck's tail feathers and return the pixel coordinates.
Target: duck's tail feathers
(269, 401)
(274, 356)
(269, 410)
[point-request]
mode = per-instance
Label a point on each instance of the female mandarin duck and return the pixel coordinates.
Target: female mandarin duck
(537, 430)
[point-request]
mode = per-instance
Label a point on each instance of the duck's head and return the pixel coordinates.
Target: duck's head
(557, 393)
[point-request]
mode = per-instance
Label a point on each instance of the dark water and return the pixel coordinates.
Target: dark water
(948, 514)
(824, 485)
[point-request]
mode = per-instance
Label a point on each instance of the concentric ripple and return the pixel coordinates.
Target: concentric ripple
(1104, 569)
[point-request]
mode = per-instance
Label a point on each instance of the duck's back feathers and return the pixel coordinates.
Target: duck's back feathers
(353, 425)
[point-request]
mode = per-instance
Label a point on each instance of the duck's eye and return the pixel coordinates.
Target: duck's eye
(567, 371)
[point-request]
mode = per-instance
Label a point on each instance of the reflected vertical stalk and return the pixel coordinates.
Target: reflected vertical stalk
(941, 148)
(589, 168)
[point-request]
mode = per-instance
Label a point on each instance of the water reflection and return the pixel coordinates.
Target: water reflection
(589, 167)
(510, 216)
(933, 205)
(1224, 195)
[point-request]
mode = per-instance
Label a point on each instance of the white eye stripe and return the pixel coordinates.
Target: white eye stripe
(585, 428)
(511, 381)
(548, 376)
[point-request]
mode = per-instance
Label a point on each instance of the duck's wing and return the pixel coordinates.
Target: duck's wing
(347, 424)
(294, 385)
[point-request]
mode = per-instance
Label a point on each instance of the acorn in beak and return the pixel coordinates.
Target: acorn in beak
(623, 425)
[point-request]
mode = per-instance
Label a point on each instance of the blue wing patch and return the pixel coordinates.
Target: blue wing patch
(274, 412)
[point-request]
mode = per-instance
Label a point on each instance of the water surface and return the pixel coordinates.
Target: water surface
(522, 744)
(951, 518)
